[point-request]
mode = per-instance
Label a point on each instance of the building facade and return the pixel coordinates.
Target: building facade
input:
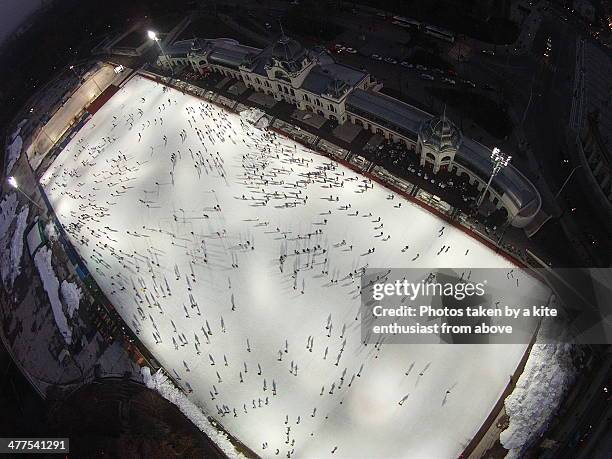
(312, 81)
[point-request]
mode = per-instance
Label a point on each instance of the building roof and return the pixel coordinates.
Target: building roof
(179, 48)
(387, 111)
(287, 50)
(408, 120)
(229, 52)
(330, 78)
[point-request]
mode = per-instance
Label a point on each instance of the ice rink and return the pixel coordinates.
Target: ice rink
(229, 251)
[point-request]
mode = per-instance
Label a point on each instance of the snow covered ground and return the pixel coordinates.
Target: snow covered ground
(71, 294)
(42, 259)
(11, 246)
(547, 377)
(183, 211)
(13, 150)
(159, 382)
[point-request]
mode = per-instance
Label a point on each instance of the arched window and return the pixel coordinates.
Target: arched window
(446, 158)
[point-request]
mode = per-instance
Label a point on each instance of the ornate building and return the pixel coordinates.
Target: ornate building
(438, 143)
(311, 80)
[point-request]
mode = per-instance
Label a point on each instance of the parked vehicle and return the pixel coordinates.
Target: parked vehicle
(425, 76)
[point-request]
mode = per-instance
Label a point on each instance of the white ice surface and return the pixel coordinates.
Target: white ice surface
(148, 241)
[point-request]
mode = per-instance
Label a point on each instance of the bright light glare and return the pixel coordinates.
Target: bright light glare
(13, 182)
(152, 35)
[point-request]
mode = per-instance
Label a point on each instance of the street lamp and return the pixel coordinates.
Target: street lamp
(12, 181)
(153, 36)
(500, 160)
(74, 71)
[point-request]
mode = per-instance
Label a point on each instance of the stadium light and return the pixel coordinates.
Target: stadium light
(153, 36)
(12, 181)
(500, 160)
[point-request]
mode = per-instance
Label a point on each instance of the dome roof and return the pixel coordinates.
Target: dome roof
(336, 88)
(287, 50)
(440, 133)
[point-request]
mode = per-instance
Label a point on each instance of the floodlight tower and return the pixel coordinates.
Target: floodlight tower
(12, 181)
(153, 36)
(500, 160)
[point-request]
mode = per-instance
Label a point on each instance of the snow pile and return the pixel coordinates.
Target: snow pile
(8, 212)
(160, 383)
(256, 117)
(548, 375)
(51, 231)
(12, 153)
(18, 128)
(71, 294)
(11, 255)
(8, 208)
(42, 259)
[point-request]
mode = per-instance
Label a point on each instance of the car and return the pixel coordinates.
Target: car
(425, 76)
(488, 52)
(390, 60)
(470, 83)
(449, 81)
(406, 64)
(376, 57)
(438, 71)
(421, 67)
(351, 50)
